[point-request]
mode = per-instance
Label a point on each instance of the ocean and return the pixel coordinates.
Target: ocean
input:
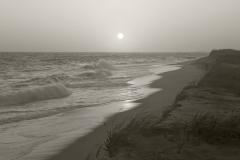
(40, 92)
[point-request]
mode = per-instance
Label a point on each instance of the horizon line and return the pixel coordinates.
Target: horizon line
(102, 52)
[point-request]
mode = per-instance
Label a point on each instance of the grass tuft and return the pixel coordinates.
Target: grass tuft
(212, 128)
(118, 136)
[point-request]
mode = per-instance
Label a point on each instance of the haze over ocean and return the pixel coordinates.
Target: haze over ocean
(93, 25)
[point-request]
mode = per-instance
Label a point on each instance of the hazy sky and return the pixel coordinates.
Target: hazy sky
(93, 25)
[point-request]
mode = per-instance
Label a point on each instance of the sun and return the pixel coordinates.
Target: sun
(120, 36)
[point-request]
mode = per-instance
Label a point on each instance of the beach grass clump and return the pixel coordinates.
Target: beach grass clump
(190, 85)
(181, 96)
(184, 94)
(212, 128)
(122, 135)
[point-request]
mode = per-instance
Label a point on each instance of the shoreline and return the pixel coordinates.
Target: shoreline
(169, 83)
(82, 120)
(49, 148)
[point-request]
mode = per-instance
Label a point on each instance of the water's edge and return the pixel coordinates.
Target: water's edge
(55, 144)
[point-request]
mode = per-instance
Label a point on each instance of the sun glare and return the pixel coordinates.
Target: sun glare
(120, 36)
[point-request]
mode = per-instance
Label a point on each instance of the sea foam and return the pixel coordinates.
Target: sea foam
(56, 90)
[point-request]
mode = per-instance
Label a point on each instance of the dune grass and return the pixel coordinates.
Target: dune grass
(208, 127)
(119, 136)
(212, 128)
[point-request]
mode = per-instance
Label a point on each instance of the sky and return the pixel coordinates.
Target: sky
(93, 25)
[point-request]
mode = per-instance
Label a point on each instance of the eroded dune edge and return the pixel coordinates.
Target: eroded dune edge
(203, 122)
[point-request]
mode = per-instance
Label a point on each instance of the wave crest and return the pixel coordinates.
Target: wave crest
(56, 90)
(95, 74)
(101, 64)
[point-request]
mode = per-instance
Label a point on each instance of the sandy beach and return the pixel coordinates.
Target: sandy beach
(169, 85)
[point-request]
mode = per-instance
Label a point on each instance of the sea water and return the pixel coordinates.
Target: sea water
(39, 92)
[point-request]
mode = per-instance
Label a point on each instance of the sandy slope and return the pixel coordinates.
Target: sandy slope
(170, 82)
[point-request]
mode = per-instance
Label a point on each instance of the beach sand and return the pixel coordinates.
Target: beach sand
(169, 85)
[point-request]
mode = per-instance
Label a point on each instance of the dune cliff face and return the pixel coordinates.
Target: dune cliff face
(224, 56)
(223, 70)
(216, 54)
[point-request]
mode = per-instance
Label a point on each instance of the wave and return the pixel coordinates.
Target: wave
(100, 69)
(55, 78)
(56, 90)
(95, 74)
(101, 64)
(89, 66)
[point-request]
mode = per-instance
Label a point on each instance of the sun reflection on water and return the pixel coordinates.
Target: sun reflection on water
(128, 105)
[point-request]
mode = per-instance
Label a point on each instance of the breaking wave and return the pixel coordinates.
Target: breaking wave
(100, 69)
(56, 90)
(55, 78)
(101, 64)
(95, 74)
